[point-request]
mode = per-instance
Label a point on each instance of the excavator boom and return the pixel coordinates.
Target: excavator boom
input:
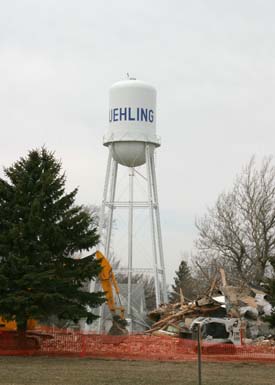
(108, 283)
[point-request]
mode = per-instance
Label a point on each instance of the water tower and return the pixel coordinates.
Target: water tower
(131, 140)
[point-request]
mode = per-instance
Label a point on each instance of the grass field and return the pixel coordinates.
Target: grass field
(74, 371)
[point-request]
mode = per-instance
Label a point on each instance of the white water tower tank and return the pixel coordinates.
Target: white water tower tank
(132, 121)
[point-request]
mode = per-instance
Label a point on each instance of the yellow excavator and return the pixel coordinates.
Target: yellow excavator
(11, 325)
(108, 282)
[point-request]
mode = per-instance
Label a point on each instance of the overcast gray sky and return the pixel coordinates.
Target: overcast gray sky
(212, 62)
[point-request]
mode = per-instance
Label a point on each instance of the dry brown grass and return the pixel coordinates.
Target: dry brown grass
(74, 371)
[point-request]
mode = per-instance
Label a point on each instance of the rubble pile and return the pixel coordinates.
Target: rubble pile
(251, 306)
(175, 319)
(263, 341)
(248, 306)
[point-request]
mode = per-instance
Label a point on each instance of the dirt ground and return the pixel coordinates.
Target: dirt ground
(75, 371)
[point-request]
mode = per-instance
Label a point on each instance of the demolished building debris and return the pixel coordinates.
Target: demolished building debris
(246, 307)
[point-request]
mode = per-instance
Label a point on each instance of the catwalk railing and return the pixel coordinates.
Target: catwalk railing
(132, 347)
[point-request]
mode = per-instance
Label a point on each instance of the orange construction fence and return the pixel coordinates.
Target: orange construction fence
(132, 347)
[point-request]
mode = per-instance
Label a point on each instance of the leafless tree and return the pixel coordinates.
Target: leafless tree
(239, 231)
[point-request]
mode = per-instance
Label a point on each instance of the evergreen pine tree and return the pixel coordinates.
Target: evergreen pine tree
(41, 227)
(184, 281)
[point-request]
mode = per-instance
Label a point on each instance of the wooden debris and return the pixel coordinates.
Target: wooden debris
(174, 313)
(213, 285)
(237, 302)
(181, 297)
(224, 283)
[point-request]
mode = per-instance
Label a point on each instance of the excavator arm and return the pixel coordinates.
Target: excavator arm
(108, 283)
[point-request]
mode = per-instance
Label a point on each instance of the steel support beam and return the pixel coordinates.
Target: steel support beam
(155, 192)
(130, 244)
(152, 221)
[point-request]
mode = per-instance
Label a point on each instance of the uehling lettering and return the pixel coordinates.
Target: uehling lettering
(131, 114)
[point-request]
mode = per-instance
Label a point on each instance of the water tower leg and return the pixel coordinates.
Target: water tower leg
(100, 320)
(101, 224)
(111, 208)
(160, 245)
(105, 192)
(130, 244)
(109, 182)
(152, 221)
